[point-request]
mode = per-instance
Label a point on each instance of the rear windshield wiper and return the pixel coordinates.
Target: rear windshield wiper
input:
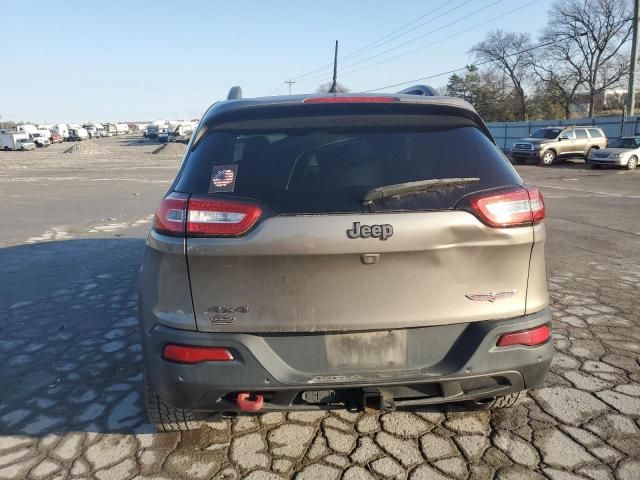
(399, 190)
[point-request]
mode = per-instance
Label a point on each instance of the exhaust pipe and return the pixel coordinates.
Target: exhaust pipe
(247, 404)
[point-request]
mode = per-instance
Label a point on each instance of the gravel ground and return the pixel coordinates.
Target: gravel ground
(71, 405)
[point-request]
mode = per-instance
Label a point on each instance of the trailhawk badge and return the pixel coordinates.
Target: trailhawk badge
(490, 297)
(381, 232)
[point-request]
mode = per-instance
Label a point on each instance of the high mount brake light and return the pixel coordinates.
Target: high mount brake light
(515, 208)
(178, 215)
(351, 100)
(193, 355)
(527, 338)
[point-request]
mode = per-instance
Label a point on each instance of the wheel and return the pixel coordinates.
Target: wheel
(632, 164)
(166, 418)
(548, 158)
(6, 149)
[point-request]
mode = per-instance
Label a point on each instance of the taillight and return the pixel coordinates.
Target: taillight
(218, 218)
(527, 338)
(192, 355)
(171, 215)
(538, 210)
(351, 100)
(514, 208)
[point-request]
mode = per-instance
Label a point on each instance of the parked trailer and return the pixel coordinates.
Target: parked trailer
(182, 133)
(15, 141)
(78, 134)
(122, 128)
(110, 129)
(27, 128)
(61, 129)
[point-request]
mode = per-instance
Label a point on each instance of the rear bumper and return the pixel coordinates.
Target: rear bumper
(293, 371)
(613, 162)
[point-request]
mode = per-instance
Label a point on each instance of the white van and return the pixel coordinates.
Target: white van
(15, 141)
(39, 139)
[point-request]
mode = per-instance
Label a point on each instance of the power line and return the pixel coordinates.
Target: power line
(464, 17)
(272, 92)
(449, 72)
(382, 40)
(367, 47)
(349, 72)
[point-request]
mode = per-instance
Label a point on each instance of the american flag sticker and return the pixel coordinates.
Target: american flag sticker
(223, 178)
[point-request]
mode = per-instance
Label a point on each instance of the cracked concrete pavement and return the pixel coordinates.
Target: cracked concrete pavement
(71, 404)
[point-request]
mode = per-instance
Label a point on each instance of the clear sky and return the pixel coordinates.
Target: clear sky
(76, 61)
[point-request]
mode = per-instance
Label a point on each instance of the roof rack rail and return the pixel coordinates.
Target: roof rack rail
(235, 93)
(423, 90)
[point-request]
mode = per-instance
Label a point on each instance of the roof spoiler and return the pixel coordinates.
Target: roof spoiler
(235, 93)
(423, 90)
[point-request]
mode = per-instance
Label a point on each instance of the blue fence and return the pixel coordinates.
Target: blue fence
(505, 133)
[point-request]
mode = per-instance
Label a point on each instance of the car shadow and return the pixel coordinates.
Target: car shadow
(69, 339)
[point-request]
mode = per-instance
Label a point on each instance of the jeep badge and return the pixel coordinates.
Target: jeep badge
(381, 232)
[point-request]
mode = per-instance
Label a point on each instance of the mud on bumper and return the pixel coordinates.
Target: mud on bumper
(440, 364)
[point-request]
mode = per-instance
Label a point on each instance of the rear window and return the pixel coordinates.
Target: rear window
(315, 165)
(581, 134)
(595, 133)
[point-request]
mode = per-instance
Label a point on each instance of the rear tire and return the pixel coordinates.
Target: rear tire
(548, 158)
(166, 418)
(507, 401)
(632, 164)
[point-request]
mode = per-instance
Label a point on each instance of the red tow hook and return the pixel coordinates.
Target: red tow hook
(247, 405)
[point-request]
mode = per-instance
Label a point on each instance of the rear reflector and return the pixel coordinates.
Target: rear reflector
(515, 208)
(351, 100)
(192, 355)
(217, 218)
(171, 214)
(528, 338)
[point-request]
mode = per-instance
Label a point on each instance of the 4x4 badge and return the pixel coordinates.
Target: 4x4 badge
(365, 231)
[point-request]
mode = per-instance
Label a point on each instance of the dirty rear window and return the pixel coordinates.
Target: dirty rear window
(327, 165)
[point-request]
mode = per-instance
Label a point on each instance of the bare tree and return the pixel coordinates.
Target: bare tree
(558, 77)
(510, 53)
(586, 39)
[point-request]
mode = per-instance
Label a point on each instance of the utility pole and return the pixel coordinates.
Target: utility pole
(631, 92)
(289, 82)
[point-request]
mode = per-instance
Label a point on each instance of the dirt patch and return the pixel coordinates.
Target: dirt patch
(170, 149)
(83, 148)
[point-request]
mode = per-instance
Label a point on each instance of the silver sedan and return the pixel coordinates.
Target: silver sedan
(620, 152)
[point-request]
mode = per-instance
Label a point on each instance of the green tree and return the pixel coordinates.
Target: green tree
(324, 88)
(487, 91)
